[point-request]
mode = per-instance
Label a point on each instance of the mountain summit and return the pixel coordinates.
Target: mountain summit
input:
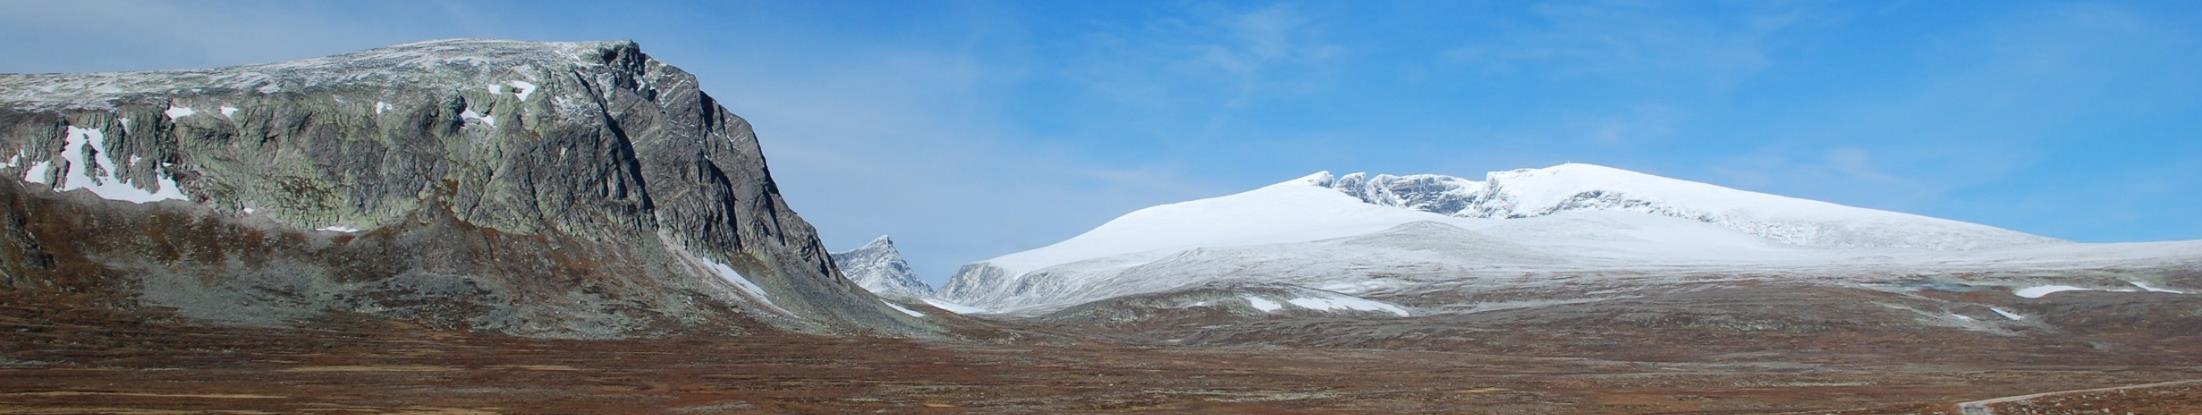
(878, 266)
(1527, 193)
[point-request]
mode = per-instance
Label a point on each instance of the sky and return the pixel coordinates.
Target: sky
(968, 130)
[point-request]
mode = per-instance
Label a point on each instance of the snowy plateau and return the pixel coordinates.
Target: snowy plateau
(1395, 236)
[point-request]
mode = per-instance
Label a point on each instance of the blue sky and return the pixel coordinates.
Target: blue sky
(973, 129)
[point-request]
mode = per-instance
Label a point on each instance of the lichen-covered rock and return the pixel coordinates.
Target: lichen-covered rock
(558, 189)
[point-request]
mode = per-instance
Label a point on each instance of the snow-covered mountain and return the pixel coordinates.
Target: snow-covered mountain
(878, 266)
(1358, 232)
(1569, 187)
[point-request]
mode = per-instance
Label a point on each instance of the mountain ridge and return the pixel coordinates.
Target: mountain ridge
(1523, 193)
(579, 189)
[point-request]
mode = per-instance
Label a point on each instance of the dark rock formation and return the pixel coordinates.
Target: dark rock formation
(551, 189)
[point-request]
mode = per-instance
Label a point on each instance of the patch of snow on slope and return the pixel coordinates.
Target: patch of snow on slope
(1263, 304)
(911, 313)
(727, 273)
(175, 112)
(2146, 287)
(12, 160)
(382, 106)
(105, 183)
(954, 308)
(525, 88)
(1338, 303)
(339, 228)
(2042, 290)
(2008, 314)
(37, 172)
(470, 115)
(229, 111)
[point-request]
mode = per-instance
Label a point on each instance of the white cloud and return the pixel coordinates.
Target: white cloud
(1630, 40)
(56, 36)
(1209, 59)
(1856, 163)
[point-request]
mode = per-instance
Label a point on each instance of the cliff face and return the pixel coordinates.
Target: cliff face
(554, 189)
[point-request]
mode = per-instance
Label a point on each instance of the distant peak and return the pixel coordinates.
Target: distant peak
(880, 241)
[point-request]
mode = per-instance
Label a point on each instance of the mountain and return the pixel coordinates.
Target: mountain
(582, 190)
(878, 267)
(1570, 187)
(1398, 235)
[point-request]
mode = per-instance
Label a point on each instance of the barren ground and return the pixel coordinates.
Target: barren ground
(76, 364)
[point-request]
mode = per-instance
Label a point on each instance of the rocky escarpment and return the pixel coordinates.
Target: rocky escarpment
(554, 189)
(879, 267)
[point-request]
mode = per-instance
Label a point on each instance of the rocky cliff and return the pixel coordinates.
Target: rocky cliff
(549, 189)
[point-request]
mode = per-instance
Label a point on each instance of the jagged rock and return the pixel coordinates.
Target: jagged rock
(878, 267)
(555, 189)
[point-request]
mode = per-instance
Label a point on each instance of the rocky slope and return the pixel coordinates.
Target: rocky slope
(550, 189)
(878, 267)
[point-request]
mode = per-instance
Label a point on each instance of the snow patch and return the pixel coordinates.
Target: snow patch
(1263, 304)
(175, 112)
(525, 88)
(1340, 303)
(382, 106)
(734, 278)
(742, 283)
(229, 111)
(12, 160)
(911, 313)
(2042, 290)
(2008, 314)
(2145, 287)
(105, 183)
(470, 115)
(37, 172)
(337, 228)
(954, 308)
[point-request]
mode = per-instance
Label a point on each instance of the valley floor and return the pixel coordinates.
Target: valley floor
(49, 367)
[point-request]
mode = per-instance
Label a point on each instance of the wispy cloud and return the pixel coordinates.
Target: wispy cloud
(114, 35)
(1216, 57)
(1630, 40)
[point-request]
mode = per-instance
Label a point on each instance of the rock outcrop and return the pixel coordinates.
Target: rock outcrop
(548, 189)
